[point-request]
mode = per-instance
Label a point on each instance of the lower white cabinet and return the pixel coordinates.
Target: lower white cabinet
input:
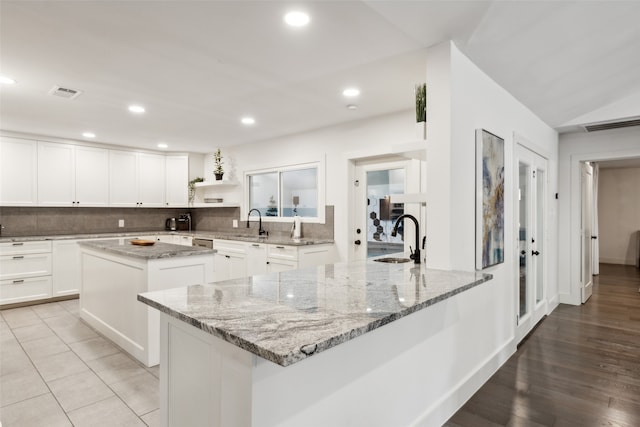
(229, 260)
(25, 271)
(174, 239)
(66, 267)
(236, 259)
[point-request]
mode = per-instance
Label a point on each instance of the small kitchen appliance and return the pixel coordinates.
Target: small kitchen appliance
(171, 224)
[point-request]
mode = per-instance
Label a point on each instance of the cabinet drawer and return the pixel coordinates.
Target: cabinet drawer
(36, 247)
(229, 247)
(28, 289)
(283, 252)
(20, 266)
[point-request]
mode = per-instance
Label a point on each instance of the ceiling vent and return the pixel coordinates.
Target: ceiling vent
(65, 92)
(592, 127)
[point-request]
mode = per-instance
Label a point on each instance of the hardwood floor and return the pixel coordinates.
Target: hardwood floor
(580, 367)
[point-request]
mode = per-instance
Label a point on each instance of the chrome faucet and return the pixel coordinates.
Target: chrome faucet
(415, 255)
(261, 232)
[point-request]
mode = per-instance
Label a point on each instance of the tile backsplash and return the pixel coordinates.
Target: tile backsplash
(44, 221)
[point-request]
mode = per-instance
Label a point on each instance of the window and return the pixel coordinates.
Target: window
(287, 191)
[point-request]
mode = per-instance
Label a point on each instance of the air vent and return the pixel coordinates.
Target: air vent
(635, 121)
(65, 92)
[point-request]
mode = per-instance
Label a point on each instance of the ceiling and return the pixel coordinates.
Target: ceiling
(198, 67)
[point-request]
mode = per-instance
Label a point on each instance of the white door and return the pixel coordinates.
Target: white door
(586, 267)
(375, 211)
(531, 234)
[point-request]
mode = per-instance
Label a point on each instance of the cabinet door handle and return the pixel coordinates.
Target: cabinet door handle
(17, 282)
(18, 257)
(227, 256)
(18, 244)
(255, 245)
(279, 247)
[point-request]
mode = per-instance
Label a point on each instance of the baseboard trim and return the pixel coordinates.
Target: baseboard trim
(39, 301)
(440, 411)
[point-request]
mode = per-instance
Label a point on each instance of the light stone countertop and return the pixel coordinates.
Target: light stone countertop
(275, 240)
(288, 316)
(158, 250)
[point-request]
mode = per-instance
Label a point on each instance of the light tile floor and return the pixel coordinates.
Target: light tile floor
(57, 371)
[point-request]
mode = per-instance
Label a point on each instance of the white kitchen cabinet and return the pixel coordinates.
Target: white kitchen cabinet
(283, 257)
(175, 239)
(276, 265)
(18, 172)
(92, 176)
(70, 175)
(66, 268)
(56, 177)
(177, 181)
(123, 178)
(136, 179)
(256, 258)
(151, 179)
(229, 260)
(25, 271)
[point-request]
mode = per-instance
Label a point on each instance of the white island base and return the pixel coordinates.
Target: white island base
(110, 284)
(417, 370)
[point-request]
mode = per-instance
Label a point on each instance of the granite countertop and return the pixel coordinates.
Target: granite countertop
(156, 251)
(288, 316)
(275, 240)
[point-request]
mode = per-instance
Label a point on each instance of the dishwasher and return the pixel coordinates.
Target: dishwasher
(203, 242)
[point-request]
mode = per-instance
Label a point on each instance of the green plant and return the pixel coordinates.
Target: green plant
(192, 188)
(421, 102)
(217, 159)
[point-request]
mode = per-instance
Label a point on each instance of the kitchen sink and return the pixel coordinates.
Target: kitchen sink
(392, 260)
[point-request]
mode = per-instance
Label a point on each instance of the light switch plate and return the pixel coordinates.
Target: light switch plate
(121, 223)
(235, 223)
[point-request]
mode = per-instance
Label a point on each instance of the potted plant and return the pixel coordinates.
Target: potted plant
(217, 159)
(192, 188)
(421, 110)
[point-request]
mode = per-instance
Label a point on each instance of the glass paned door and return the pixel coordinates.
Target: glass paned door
(382, 213)
(531, 231)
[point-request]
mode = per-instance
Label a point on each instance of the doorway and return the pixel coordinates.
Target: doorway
(376, 212)
(586, 222)
(530, 285)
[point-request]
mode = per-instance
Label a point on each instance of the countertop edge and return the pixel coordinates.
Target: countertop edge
(291, 358)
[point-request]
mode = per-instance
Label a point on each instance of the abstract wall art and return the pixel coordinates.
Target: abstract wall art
(489, 199)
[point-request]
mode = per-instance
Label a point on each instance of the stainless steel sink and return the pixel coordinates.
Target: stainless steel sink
(392, 260)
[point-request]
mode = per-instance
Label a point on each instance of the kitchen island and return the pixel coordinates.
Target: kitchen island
(340, 344)
(114, 271)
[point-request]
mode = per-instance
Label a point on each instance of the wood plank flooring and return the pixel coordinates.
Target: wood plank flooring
(580, 367)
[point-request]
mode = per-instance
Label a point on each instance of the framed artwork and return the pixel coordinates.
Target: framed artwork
(489, 199)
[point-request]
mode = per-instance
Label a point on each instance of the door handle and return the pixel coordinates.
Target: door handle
(357, 242)
(523, 252)
(536, 253)
(594, 237)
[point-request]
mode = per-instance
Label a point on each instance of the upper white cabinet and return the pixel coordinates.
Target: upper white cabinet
(92, 176)
(177, 180)
(136, 179)
(151, 176)
(18, 172)
(71, 175)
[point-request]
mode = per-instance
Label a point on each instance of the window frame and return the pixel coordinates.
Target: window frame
(321, 201)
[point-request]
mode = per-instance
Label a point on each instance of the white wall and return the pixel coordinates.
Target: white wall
(573, 149)
(618, 214)
(465, 99)
(335, 144)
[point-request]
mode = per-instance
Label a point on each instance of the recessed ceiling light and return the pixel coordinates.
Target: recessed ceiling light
(296, 19)
(7, 81)
(163, 145)
(89, 135)
(352, 107)
(351, 92)
(136, 109)
(248, 120)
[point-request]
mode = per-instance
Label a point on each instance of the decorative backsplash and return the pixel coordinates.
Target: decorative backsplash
(46, 221)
